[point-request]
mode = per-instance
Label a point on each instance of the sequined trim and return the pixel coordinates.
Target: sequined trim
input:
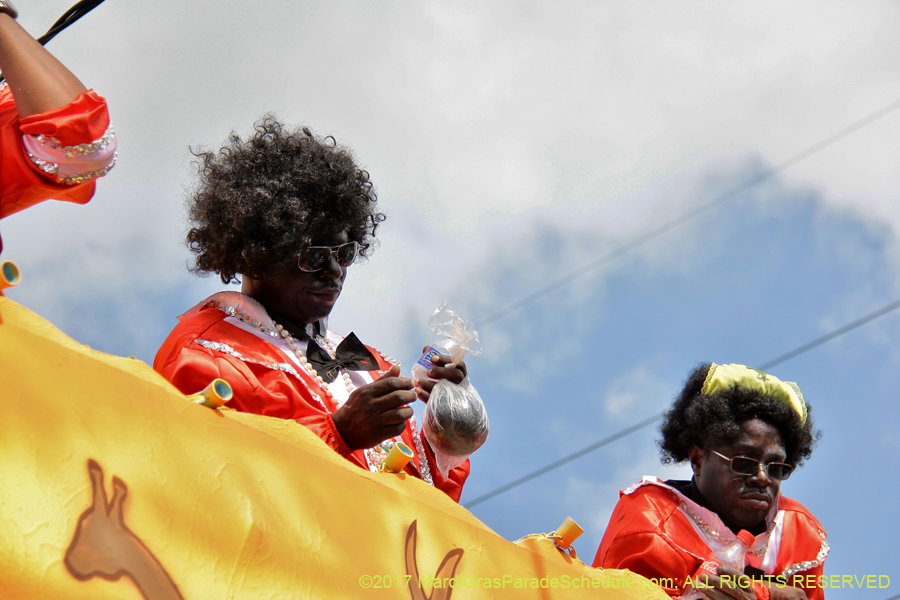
(48, 155)
(233, 312)
(43, 165)
(374, 456)
(97, 145)
(3, 85)
(423, 458)
(824, 549)
(713, 533)
(81, 178)
(389, 360)
(226, 349)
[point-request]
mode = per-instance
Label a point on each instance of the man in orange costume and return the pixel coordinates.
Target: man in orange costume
(743, 432)
(289, 212)
(55, 134)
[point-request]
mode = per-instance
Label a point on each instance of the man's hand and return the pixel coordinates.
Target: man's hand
(440, 371)
(376, 412)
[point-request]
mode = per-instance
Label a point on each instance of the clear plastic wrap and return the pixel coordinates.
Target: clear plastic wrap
(458, 338)
(455, 422)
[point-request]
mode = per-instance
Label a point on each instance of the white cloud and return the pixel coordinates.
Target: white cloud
(479, 124)
(635, 394)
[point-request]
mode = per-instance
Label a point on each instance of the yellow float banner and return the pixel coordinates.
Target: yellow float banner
(113, 485)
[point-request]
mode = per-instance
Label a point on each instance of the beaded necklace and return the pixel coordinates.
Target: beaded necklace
(328, 347)
(374, 456)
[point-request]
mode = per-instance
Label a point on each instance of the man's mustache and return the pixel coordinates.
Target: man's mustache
(325, 288)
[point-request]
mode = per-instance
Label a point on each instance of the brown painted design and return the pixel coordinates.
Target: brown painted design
(446, 570)
(103, 546)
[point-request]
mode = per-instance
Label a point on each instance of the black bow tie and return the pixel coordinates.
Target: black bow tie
(350, 354)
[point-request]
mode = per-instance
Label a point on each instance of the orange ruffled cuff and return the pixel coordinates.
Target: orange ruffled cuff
(22, 183)
(81, 121)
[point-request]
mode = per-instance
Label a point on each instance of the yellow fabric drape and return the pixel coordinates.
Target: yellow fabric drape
(724, 377)
(115, 486)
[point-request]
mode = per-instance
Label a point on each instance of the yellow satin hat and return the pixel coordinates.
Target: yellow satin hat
(725, 377)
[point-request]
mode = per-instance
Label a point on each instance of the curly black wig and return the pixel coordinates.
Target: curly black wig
(259, 201)
(697, 419)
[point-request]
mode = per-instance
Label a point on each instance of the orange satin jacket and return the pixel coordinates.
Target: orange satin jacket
(652, 533)
(203, 346)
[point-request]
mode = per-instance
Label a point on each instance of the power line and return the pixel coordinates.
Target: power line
(830, 336)
(619, 435)
(564, 460)
(693, 213)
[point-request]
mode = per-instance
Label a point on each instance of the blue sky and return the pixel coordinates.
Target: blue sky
(510, 144)
(773, 272)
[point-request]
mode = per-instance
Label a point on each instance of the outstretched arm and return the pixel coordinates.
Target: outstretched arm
(55, 135)
(37, 80)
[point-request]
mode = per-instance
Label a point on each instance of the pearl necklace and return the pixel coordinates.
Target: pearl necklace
(304, 362)
(329, 348)
(374, 456)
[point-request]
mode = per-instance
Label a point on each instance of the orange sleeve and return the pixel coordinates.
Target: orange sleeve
(650, 555)
(805, 544)
(22, 184)
(257, 389)
(452, 485)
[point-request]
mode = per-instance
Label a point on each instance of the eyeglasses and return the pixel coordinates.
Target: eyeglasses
(744, 465)
(314, 258)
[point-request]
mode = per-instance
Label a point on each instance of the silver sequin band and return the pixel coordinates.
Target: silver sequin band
(97, 145)
(824, 549)
(81, 178)
(233, 312)
(390, 360)
(72, 164)
(226, 349)
(423, 458)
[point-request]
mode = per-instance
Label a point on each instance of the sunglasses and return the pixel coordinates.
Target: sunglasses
(314, 258)
(744, 465)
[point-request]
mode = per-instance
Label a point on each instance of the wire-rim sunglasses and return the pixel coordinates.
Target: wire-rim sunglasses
(315, 258)
(744, 465)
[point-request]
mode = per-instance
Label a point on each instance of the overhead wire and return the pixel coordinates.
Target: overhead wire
(68, 18)
(650, 420)
(693, 213)
(663, 229)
